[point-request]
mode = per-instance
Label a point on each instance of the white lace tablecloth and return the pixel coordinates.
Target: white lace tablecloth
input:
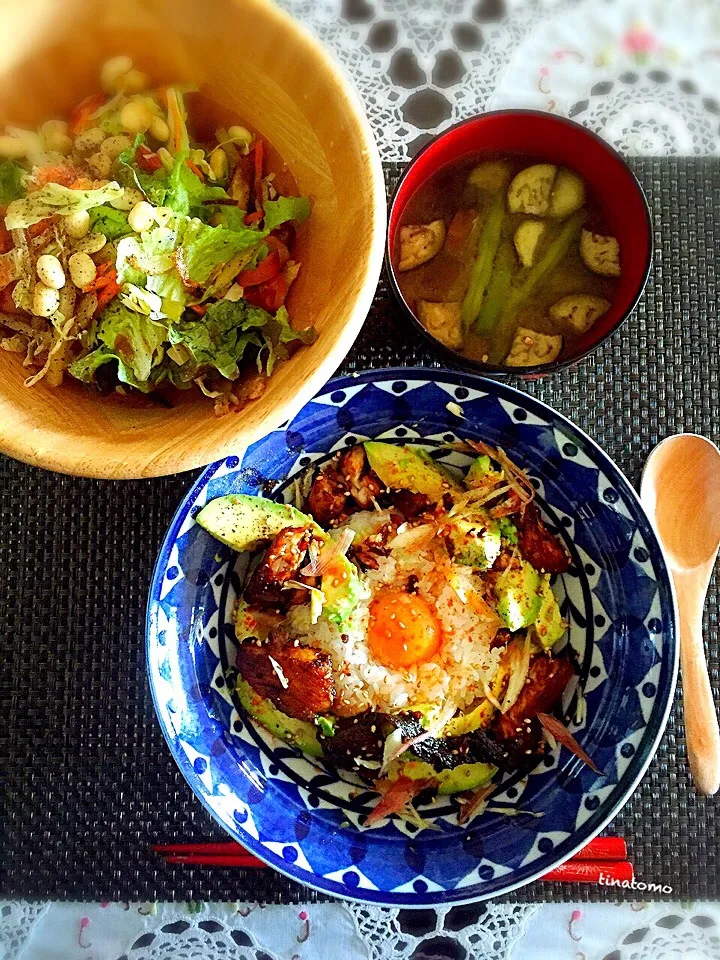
(644, 74)
(237, 931)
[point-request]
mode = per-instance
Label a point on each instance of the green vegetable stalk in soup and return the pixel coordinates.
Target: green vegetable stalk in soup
(508, 262)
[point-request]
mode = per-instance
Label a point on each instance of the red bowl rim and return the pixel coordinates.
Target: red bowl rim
(539, 369)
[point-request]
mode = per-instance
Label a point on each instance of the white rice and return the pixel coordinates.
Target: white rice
(456, 673)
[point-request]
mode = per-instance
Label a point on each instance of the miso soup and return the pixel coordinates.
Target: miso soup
(507, 260)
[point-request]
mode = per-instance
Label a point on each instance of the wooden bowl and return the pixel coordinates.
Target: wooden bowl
(249, 57)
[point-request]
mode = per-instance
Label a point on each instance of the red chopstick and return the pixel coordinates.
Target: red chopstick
(215, 860)
(590, 871)
(602, 857)
(603, 848)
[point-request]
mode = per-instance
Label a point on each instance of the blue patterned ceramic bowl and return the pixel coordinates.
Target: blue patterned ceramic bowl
(303, 818)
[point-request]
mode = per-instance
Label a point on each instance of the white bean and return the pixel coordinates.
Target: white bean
(135, 117)
(142, 216)
(59, 142)
(77, 224)
(219, 164)
(134, 81)
(127, 201)
(54, 126)
(50, 271)
(166, 158)
(114, 146)
(163, 215)
(82, 269)
(159, 129)
(90, 140)
(241, 136)
(46, 300)
(112, 71)
(12, 147)
(92, 243)
(100, 164)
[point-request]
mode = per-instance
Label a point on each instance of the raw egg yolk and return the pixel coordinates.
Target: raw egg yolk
(404, 630)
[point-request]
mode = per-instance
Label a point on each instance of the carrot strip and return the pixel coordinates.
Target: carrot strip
(259, 157)
(196, 170)
(84, 110)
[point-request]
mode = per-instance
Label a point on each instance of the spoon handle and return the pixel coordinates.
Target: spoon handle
(701, 722)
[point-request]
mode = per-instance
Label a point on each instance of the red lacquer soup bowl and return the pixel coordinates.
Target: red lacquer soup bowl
(541, 137)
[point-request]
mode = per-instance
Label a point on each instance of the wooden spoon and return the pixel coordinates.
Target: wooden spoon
(681, 492)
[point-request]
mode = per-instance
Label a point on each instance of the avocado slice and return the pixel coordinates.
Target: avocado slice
(244, 522)
(519, 595)
(478, 471)
(482, 714)
(343, 590)
(299, 733)
(549, 625)
(406, 468)
(466, 776)
(476, 542)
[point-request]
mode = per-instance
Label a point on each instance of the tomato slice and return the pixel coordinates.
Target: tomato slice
(270, 296)
(275, 243)
(265, 271)
(147, 160)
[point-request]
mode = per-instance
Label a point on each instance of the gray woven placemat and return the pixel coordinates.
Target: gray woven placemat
(87, 780)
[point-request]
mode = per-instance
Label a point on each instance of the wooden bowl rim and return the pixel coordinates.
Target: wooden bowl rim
(53, 450)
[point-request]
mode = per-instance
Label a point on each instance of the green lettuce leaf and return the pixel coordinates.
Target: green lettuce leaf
(220, 338)
(154, 186)
(127, 157)
(132, 339)
(146, 254)
(11, 183)
(113, 223)
(277, 335)
(284, 209)
(53, 198)
(204, 248)
(224, 215)
(186, 190)
(171, 290)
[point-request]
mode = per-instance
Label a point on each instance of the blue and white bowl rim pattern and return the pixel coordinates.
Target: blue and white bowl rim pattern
(196, 755)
